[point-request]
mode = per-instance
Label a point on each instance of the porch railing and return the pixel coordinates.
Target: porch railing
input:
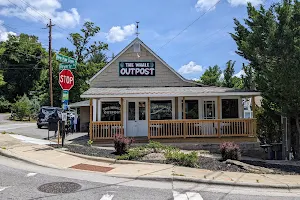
(182, 128)
(106, 130)
(202, 128)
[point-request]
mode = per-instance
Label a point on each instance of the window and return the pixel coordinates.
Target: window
(131, 111)
(142, 110)
(111, 111)
(209, 110)
(161, 110)
(230, 108)
(191, 109)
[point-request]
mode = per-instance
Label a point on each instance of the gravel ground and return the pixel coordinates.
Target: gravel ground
(203, 162)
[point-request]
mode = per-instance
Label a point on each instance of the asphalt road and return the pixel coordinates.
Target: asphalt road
(19, 180)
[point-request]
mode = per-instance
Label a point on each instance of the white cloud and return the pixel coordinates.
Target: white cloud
(206, 5)
(244, 2)
(222, 76)
(189, 68)
(40, 11)
(4, 33)
(195, 79)
(118, 34)
(239, 74)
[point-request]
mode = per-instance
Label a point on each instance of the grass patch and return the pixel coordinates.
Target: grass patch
(133, 154)
(4, 148)
(4, 132)
(174, 174)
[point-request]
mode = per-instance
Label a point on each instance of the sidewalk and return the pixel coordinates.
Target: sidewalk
(37, 152)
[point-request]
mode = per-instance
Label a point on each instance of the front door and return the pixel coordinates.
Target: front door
(137, 119)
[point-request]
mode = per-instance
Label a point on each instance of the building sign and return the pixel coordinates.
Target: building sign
(137, 68)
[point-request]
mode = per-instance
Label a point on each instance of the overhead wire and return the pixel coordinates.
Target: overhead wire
(189, 25)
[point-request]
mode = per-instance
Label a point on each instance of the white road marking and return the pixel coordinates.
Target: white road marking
(186, 196)
(107, 197)
(3, 188)
(31, 174)
(178, 196)
(32, 140)
(194, 196)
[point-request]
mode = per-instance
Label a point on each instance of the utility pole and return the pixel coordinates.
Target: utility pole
(50, 62)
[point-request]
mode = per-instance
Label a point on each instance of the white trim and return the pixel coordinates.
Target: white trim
(148, 49)
(172, 95)
(99, 110)
(180, 99)
(94, 110)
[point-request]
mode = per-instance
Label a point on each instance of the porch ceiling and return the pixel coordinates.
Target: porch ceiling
(165, 92)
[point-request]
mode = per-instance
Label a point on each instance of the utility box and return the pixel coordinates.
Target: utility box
(53, 124)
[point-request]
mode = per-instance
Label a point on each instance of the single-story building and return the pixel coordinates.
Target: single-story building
(139, 95)
(84, 114)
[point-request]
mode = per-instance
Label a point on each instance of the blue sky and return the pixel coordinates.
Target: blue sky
(206, 43)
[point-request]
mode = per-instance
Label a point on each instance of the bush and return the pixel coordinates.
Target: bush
(132, 154)
(230, 150)
(182, 159)
(158, 147)
(122, 144)
(4, 105)
(22, 107)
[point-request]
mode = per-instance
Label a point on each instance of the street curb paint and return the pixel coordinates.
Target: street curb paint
(210, 182)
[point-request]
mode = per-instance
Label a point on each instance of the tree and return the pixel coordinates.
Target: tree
(211, 76)
(228, 74)
(270, 41)
(90, 57)
(21, 60)
(248, 78)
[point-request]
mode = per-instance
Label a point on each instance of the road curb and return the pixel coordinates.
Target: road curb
(101, 159)
(8, 154)
(209, 182)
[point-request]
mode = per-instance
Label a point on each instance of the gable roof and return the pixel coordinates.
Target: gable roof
(152, 52)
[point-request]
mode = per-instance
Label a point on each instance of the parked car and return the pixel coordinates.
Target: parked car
(44, 114)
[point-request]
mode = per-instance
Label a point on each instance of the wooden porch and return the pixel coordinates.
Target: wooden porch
(159, 129)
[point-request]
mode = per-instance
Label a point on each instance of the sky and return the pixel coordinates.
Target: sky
(190, 35)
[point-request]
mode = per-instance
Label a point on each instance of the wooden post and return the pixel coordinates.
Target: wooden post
(122, 118)
(219, 116)
(149, 116)
(184, 117)
(253, 115)
(91, 119)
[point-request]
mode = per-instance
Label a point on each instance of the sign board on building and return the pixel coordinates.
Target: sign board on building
(65, 59)
(66, 79)
(66, 66)
(138, 68)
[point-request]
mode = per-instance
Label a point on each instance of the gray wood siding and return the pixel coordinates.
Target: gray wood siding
(163, 75)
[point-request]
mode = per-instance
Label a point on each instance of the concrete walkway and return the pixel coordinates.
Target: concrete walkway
(38, 153)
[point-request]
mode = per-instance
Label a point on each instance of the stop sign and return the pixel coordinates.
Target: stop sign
(66, 79)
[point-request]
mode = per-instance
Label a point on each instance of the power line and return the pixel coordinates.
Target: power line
(26, 11)
(189, 25)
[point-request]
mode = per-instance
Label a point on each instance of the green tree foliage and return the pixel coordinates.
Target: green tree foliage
(228, 74)
(4, 104)
(248, 78)
(270, 40)
(22, 107)
(211, 76)
(90, 57)
(21, 59)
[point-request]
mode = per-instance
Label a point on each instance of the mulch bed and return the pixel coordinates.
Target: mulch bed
(203, 162)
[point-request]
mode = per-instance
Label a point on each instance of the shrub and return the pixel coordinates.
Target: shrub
(89, 142)
(132, 154)
(122, 144)
(158, 147)
(4, 104)
(182, 159)
(230, 150)
(22, 107)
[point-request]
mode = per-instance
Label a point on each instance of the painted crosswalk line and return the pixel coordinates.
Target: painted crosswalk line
(3, 188)
(107, 197)
(30, 174)
(186, 196)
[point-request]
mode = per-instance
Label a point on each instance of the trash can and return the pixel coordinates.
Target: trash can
(52, 124)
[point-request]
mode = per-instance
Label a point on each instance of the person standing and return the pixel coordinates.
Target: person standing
(75, 123)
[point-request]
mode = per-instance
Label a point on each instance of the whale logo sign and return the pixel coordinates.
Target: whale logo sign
(137, 68)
